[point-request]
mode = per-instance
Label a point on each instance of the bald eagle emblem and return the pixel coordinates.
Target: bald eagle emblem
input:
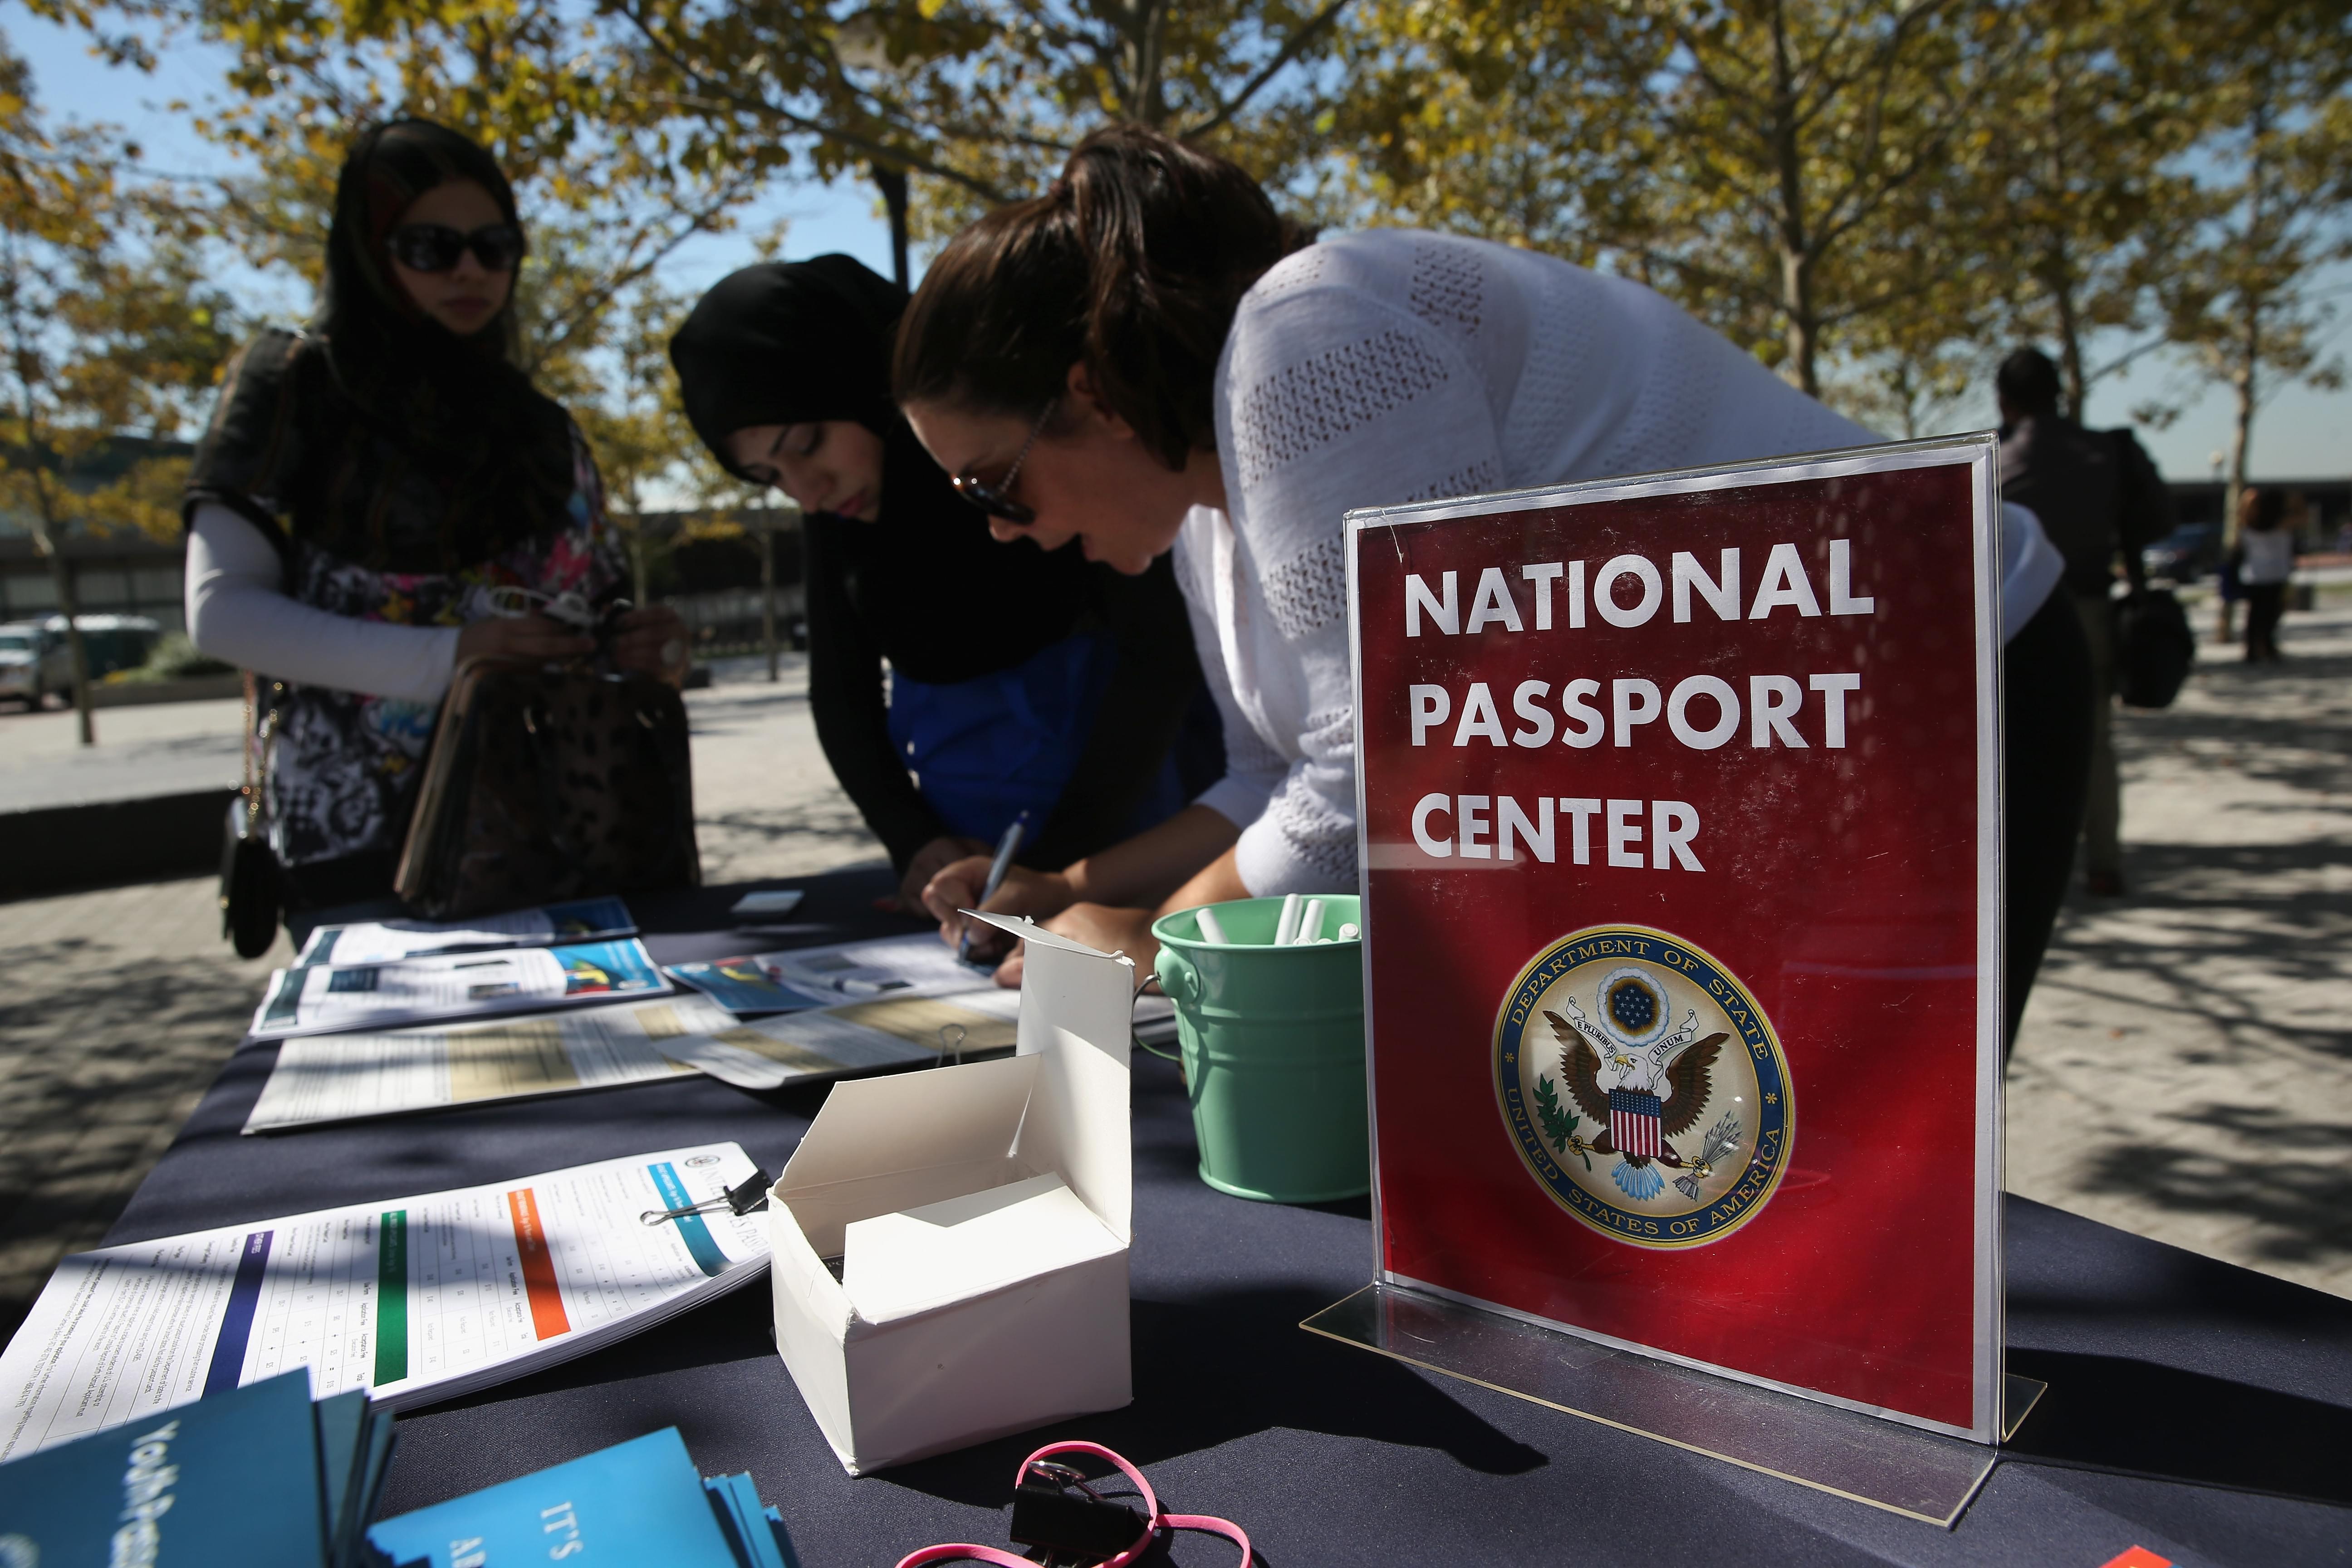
(1645, 1089)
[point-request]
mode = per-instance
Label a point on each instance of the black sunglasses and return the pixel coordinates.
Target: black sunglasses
(996, 499)
(435, 248)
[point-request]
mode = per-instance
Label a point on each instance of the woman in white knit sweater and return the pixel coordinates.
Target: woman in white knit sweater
(1148, 358)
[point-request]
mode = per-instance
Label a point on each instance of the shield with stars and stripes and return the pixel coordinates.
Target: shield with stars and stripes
(1633, 1123)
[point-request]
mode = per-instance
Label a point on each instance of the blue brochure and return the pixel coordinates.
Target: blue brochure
(233, 1478)
(635, 1502)
(741, 985)
(757, 1534)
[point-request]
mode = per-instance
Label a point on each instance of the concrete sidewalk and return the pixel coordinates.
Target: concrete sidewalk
(2185, 1069)
(168, 748)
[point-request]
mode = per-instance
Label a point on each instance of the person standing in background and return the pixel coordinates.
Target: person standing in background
(385, 496)
(2088, 490)
(2265, 561)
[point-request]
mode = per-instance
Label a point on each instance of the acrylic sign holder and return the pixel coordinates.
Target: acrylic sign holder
(1841, 973)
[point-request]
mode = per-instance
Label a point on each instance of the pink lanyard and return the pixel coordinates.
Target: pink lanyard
(1157, 1521)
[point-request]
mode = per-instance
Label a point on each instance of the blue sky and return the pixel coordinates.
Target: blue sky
(2300, 433)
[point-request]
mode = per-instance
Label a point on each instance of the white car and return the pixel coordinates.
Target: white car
(34, 662)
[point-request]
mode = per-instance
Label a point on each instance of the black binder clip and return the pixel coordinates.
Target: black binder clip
(748, 1197)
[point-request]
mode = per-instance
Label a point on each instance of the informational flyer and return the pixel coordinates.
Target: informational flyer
(916, 965)
(373, 1073)
(321, 998)
(414, 1299)
(389, 941)
(912, 988)
(1681, 842)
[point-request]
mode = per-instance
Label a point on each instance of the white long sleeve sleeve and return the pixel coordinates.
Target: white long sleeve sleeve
(1252, 768)
(238, 612)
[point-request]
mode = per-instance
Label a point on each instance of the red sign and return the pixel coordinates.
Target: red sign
(1680, 829)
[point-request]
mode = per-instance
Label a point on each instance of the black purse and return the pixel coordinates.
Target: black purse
(250, 894)
(2155, 649)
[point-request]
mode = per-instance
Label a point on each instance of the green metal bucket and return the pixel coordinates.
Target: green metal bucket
(1273, 1040)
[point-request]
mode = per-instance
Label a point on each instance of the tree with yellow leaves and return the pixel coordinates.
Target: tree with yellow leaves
(109, 328)
(1759, 159)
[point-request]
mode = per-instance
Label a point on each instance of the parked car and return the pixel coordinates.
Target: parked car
(34, 663)
(2185, 554)
(109, 642)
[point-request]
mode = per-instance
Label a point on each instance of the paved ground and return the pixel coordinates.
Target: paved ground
(162, 748)
(765, 803)
(2185, 1070)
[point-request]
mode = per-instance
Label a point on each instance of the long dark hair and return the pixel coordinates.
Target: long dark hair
(1131, 264)
(459, 408)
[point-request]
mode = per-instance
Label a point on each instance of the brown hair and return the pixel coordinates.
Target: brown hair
(1131, 264)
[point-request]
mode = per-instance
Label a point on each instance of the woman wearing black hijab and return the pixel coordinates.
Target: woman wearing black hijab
(381, 496)
(1065, 700)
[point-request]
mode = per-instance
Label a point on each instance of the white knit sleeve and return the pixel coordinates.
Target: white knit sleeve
(1253, 769)
(1330, 399)
(238, 612)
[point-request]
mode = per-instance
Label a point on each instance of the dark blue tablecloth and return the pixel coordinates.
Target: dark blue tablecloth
(2200, 1410)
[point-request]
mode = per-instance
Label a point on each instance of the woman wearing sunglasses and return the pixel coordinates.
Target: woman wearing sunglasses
(1148, 359)
(1020, 681)
(377, 494)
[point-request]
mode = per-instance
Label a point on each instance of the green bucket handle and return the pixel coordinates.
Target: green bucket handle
(1176, 976)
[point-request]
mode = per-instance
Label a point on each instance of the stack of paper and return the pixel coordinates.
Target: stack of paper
(320, 998)
(414, 1299)
(249, 1474)
(635, 1502)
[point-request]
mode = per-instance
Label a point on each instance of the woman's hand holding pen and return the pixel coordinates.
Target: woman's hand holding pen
(1037, 894)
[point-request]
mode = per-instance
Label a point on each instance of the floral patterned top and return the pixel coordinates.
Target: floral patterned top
(344, 766)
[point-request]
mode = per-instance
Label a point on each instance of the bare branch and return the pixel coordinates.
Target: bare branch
(1291, 47)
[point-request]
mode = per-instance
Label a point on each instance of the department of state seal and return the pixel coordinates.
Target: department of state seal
(1644, 1086)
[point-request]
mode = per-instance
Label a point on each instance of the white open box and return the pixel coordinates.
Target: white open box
(981, 1214)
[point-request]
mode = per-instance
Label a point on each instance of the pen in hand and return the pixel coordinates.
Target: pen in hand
(1007, 848)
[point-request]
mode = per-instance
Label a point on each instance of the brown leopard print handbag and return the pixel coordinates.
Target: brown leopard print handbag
(551, 782)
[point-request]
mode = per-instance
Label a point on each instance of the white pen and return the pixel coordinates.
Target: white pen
(1311, 923)
(1006, 848)
(1286, 930)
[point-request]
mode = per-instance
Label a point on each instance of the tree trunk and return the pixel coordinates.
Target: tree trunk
(892, 184)
(61, 578)
(2250, 344)
(1148, 95)
(1803, 330)
(2058, 281)
(1802, 336)
(2241, 433)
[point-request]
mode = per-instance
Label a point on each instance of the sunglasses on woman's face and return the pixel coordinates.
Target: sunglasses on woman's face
(996, 499)
(435, 248)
